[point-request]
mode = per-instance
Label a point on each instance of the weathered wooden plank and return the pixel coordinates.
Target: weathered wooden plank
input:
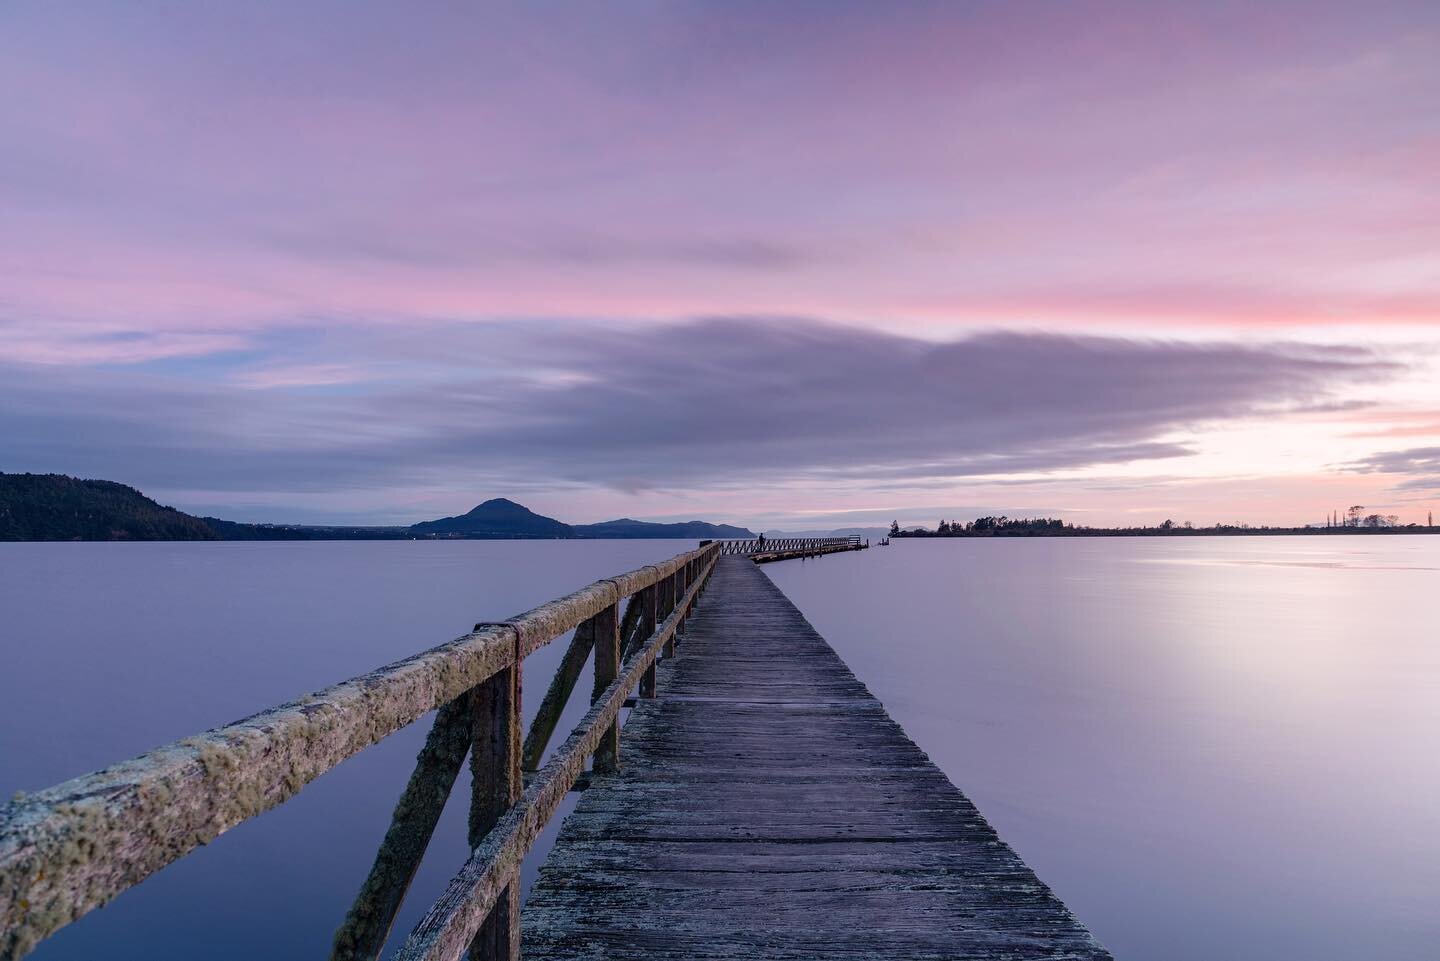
(770, 808)
(494, 751)
(71, 848)
(496, 786)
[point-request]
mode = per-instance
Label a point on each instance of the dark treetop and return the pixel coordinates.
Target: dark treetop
(51, 507)
(1054, 527)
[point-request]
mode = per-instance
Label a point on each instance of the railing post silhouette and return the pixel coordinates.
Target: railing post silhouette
(495, 769)
(687, 577)
(649, 599)
(669, 597)
(362, 937)
(630, 626)
(605, 632)
(556, 696)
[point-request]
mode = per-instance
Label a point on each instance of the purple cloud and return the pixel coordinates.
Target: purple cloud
(715, 403)
(1420, 466)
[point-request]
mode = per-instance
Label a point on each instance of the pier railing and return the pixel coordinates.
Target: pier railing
(72, 848)
(762, 547)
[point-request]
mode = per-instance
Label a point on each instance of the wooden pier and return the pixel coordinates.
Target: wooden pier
(760, 804)
(763, 550)
(768, 807)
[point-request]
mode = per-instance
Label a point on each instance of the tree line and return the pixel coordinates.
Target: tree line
(989, 526)
(1354, 520)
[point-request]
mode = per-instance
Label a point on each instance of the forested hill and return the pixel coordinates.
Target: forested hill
(53, 507)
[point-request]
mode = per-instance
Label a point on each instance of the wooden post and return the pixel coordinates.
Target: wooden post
(672, 597)
(557, 695)
(605, 631)
(687, 573)
(362, 936)
(649, 600)
(630, 626)
(495, 769)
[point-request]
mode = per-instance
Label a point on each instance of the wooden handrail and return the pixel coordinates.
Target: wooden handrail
(451, 926)
(71, 848)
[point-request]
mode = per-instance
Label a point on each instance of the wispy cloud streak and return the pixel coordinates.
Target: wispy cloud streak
(1418, 466)
(708, 403)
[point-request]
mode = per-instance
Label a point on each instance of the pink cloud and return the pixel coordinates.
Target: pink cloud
(1187, 165)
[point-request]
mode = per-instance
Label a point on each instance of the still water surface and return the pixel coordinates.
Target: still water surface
(1209, 748)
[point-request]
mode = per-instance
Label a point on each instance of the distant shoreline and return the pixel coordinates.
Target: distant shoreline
(56, 507)
(1177, 532)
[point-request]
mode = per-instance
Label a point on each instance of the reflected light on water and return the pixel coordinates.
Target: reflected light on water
(1208, 747)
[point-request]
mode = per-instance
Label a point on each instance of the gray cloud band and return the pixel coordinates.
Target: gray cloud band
(709, 403)
(1420, 466)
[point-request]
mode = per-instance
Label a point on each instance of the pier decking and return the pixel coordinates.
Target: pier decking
(768, 807)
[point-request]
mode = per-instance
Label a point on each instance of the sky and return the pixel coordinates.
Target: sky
(795, 265)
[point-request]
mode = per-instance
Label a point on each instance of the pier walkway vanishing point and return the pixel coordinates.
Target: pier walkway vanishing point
(768, 807)
(763, 805)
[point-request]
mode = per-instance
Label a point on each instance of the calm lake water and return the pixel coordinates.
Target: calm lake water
(1209, 748)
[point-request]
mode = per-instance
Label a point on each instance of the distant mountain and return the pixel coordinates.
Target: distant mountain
(53, 507)
(501, 518)
(496, 518)
(625, 527)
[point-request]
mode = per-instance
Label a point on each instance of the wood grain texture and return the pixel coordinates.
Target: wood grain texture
(768, 807)
(495, 787)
